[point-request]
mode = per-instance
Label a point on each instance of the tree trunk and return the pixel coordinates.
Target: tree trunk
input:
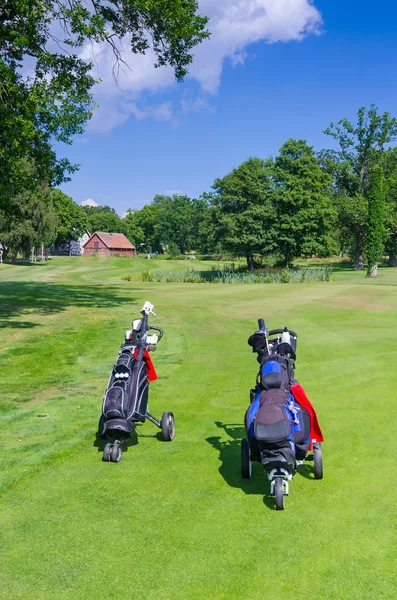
(372, 271)
(250, 262)
(392, 260)
(14, 258)
(359, 262)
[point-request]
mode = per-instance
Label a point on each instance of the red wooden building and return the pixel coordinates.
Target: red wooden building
(109, 243)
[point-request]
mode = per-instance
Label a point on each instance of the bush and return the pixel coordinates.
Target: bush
(147, 276)
(232, 274)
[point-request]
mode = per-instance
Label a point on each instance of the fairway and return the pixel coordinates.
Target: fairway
(176, 520)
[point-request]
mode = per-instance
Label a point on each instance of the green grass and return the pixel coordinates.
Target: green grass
(175, 520)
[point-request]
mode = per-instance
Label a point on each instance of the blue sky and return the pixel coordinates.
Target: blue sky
(245, 97)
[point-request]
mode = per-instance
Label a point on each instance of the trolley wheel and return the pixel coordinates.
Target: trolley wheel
(106, 452)
(246, 464)
(116, 453)
(279, 493)
(168, 426)
(318, 460)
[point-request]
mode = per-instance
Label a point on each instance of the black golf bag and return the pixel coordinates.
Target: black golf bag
(125, 402)
(126, 397)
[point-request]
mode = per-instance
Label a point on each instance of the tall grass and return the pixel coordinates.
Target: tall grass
(233, 274)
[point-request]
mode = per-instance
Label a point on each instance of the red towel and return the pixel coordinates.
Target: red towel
(300, 396)
(151, 371)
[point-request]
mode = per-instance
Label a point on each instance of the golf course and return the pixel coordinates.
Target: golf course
(175, 520)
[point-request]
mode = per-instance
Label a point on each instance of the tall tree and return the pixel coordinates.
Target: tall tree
(203, 237)
(27, 218)
(142, 228)
(51, 100)
(389, 166)
(360, 148)
(304, 214)
(176, 222)
(72, 220)
(104, 220)
(243, 211)
(376, 214)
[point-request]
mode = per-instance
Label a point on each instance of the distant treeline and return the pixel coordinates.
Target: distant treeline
(299, 203)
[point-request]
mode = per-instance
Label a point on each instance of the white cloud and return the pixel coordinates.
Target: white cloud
(89, 202)
(234, 24)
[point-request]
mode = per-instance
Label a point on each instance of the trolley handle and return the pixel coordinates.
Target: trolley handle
(278, 331)
(160, 331)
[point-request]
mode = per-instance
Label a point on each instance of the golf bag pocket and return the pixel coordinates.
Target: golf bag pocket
(114, 401)
(138, 393)
(276, 373)
(124, 362)
(271, 422)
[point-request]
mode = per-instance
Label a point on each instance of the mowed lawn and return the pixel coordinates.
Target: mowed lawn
(175, 520)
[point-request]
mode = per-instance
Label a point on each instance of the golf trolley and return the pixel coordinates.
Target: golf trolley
(281, 423)
(125, 402)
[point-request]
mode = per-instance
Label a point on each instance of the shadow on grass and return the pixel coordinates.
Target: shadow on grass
(229, 455)
(343, 265)
(133, 440)
(30, 298)
(101, 442)
(306, 470)
(17, 324)
(27, 263)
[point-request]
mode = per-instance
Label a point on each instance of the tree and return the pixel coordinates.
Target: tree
(72, 220)
(375, 227)
(389, 166)
(27, 219)
(360, 148)
(102, 208)
(244, 214)
(203, 231)
(105, 220)
(142, 228)
(304, 217)
(176, 221)
(52, 100)
(278, 209)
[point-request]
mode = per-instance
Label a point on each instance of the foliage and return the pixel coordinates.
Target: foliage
(142, 228)
(72, 220)
(26, 216)
(279, 208)
(303, 210)
(376, 214)
(102, 208)
(104, 219)
(389, 166)
(233, 274)
(360, 148)
(243, 211)
(176, 223)
(51, 99)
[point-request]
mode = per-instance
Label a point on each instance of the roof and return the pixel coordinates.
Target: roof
(113, 240)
